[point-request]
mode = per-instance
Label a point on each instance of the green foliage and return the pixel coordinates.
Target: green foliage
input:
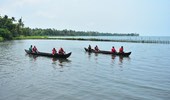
(54, 32)
(9, 28)
(1, 38)
(5, 33)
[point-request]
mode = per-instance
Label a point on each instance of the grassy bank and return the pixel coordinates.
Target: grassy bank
(1, 39)
(30, 37)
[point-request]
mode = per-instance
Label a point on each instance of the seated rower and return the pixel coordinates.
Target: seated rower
(30, 49)
(96, 48)
(35, 49)
(121, 50)
(61, 51)
(113, 50)
(54, 51)
(89, 48)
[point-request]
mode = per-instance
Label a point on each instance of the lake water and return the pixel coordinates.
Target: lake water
(144, 75)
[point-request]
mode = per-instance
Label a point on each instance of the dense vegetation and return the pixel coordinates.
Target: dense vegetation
(54, 32)
(11, 28)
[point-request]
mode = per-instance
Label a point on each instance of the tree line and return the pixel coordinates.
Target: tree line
(10, 28)
(65, 32)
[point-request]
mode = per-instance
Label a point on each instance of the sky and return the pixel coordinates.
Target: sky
(146, 17)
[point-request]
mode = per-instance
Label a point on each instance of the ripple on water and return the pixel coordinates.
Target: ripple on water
(142, 76)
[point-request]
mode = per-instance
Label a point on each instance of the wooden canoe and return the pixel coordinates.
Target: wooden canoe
(49, 54)
(126, 54)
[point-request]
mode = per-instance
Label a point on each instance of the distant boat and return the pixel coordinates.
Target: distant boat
(65, 56)
(125, 54)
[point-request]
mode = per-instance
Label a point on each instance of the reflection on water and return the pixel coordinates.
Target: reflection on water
(32, 57)
(28, 77)
(113, 57)
(89, 54)
(121, 60)
(96, 54)
(59, 63)
(114, 61)
(56, 61)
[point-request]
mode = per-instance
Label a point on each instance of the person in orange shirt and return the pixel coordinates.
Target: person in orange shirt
(113, 49)
(54, 51)
(121, 50)
(34, 49)
(61, 51)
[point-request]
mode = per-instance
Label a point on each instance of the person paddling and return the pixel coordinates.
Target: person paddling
(54, 51)
(61, 51)
(121, 50)
(89, 48)
(30, 49)
(96, 48)
(113, 50)
(35, 50)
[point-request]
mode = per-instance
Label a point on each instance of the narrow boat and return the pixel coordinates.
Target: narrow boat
(49, 54)
(125, 54)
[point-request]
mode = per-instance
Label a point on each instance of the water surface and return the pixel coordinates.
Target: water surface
(145, 75)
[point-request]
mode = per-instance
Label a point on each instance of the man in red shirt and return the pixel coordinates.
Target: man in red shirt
(54, 51)
(35, 50)
(113, 50)
(121, 50)
(61, 51)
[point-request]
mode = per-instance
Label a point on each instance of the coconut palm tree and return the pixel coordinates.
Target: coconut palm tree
(6, 17)
(21, 22)
(13, 19)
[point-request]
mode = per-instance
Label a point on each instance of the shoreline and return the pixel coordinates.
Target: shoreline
(92, 39)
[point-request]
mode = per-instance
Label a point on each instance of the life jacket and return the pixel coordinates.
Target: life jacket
(113, 50)
(34, 49)
(61, 51)
(121, 50)
(54, 51)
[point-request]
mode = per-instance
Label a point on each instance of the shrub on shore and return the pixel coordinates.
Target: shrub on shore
(1, 39)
